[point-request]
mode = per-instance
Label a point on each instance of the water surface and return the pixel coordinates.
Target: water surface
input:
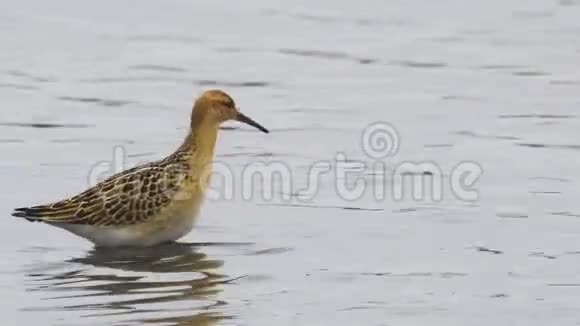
(494, 83)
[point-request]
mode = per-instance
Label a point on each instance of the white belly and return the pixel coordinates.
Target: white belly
(140, 235)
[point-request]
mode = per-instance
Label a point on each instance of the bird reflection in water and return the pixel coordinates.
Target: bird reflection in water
(173, 284)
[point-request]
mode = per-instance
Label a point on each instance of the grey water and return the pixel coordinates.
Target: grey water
(89, 88)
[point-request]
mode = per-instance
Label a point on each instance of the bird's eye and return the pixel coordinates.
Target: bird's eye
(229, 103)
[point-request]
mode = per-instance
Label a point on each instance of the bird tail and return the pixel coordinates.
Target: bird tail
(44, 213)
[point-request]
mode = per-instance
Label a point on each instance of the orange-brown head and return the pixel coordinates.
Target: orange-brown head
(214, 107)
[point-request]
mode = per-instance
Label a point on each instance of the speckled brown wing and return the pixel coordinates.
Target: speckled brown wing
(130, 197)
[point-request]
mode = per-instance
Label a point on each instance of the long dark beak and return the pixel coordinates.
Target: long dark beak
(245, 119)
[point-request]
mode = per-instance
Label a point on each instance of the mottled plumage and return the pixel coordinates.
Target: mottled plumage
(130, 197)
(152, 203)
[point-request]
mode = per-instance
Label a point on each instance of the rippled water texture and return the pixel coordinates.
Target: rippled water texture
(91, 88)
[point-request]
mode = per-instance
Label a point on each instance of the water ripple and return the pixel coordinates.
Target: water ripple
(19, 86)
(155, 67)
(484, 136)
(353, 208)
(135, 285)
(164, 38)
(554, 146)
(45, 125)
(419, 64)
(28, 76)
(325, 54)
(536, 116)
(95, 100)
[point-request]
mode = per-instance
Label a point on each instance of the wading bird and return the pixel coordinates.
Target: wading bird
(152, 203)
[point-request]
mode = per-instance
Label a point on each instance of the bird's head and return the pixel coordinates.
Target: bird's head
(214, 107)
